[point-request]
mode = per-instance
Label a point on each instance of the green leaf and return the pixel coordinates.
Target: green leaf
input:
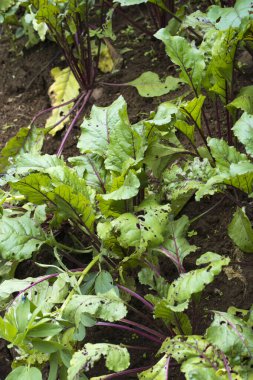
(244, 100)
(220, 69)
(7, 330)
(224, 154)
(95, 131)
(141, 231)
(233, 167)
(126, 187)
(36, 162)
(243, 130)
(232, 336)
(91, 168)
(148, 84)
(107, 306)
(25, 373)
(44, 330)
(22, 314)
(19, 237)
(228, 17)
(158, 372)
(196, 355)
(13, 285)
(194, 281)
(35, 187)
(64, 88)
(27, 140)
(126, 3)
(187, 57)
(164, 114)
(5, 4)
(148, 277)
(192, 110)
(176, 244)
(104, 283)
(116, 358)
(241, 231)
(72, 205)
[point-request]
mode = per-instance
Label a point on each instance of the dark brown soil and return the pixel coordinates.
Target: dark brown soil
(24, 83)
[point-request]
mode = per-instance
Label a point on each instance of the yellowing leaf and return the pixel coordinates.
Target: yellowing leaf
(106, 64)
(64, 88)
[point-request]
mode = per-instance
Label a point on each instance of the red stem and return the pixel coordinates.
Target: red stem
(140, 326)
(71, 126)
(137, 296)
(135, 331)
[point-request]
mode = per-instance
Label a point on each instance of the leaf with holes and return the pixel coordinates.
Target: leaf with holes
(116, 358)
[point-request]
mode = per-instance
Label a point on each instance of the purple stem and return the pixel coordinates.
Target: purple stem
(69, 113)
(226, 365)
(53, 108)
(135, 331)
(137, 296)
(153, 267)
(173, 258)
(44, 279)
(142, 327)
(127, 372)
(87, 96)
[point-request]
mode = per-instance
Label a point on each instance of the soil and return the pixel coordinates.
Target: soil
(23, 93)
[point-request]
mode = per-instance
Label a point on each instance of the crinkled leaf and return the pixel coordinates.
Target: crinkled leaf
(148, 84)
(241, 232)
(187, 57)
(64, 88)
(20, 237)
(116, 358)
(243, 130)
